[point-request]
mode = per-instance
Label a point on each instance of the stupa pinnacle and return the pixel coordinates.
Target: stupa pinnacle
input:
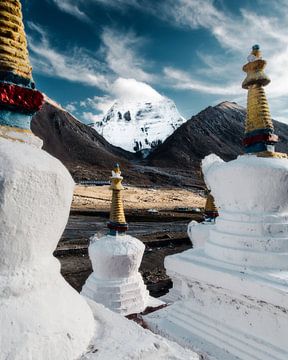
(259, 129)
(117, 222)
(18, 98)
(211, 211)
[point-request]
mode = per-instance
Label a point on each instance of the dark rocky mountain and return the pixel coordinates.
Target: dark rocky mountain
(176, 162)
(217, 129)
(88, 156)
(81, 149)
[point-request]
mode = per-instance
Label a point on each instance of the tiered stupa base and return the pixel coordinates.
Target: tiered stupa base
(115, 281)
(199, 235)
(224, 309)
(125, 296)
(234, 291)
(122, 339)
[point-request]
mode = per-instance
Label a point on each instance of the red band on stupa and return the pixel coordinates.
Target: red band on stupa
(260, 138)
(20, 99)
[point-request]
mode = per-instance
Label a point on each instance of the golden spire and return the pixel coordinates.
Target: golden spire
(211, 211)
(117, 221)
(14, 56)
(259, 129)
(18, 98)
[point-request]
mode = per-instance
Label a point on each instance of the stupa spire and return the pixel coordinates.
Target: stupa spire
(117, 221)
(211, 211)
(18, 98)
(259, 129)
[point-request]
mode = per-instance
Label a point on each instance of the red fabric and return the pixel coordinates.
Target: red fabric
(20, 99)
(260, 138)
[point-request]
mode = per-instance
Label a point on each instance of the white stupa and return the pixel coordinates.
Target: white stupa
(235, 304)
(198, 234)
(41, 316)
(116, 258)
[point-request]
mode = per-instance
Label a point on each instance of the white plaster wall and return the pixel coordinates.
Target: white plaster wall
(41, 316)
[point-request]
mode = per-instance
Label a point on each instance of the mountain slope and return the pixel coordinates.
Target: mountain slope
(140, 125)
(83, 151)
(217, 129)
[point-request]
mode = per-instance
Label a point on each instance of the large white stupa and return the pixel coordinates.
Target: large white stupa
(36, 320)
(234, 294)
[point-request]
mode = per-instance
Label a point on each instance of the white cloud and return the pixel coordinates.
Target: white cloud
(71, 107)
(183, 81)
(121, 54)
(71, 7)
(219, 71)
(77, 66)
(131, 89)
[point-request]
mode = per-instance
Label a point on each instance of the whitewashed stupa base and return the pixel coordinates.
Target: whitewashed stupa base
(234, 290)
(199, 235)
(41, 316)
(125, 296)
(121, 339)
(243, 312)
(199, 232)
(116, 282)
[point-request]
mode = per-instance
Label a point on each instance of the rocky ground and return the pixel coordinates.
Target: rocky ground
(158, 217)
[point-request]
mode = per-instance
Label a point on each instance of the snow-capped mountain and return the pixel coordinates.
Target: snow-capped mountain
(140, 125)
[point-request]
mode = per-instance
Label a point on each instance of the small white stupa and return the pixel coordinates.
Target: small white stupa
(116, 258)
(199, 232)
(235, 304)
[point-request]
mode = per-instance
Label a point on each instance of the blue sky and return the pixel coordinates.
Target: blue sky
(86, 53)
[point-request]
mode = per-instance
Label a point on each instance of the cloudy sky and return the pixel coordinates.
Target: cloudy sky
(86, 53)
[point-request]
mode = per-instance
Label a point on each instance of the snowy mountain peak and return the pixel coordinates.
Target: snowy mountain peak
(140, 125)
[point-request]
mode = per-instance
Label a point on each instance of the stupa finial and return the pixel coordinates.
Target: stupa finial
(18, 98)
(211, 211)
(117, 221)
(259, 129)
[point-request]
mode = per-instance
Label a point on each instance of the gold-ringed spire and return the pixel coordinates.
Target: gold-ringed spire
(259, 129)
(117, 221)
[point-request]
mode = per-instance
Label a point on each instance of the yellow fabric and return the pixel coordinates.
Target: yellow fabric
(8, 50)
(12, 18)
(210, 204)
(7, 132)
(258, 113)
(13, 44)
(269, 154)
(117, 210)
(12, 7)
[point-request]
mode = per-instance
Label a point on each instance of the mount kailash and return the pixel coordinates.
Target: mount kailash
(140, 125)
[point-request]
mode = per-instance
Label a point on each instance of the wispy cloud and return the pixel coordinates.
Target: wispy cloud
(77, 66)
(219, 67)
(184, 81)
(121, 52)
(118, 53)
(72, 7)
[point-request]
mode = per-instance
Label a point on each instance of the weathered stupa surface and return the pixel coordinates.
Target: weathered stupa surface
(233, 290)
(198, 234)
(36, 320)
(116, 258)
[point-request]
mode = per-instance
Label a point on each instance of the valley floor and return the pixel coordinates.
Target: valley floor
(99, 198)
